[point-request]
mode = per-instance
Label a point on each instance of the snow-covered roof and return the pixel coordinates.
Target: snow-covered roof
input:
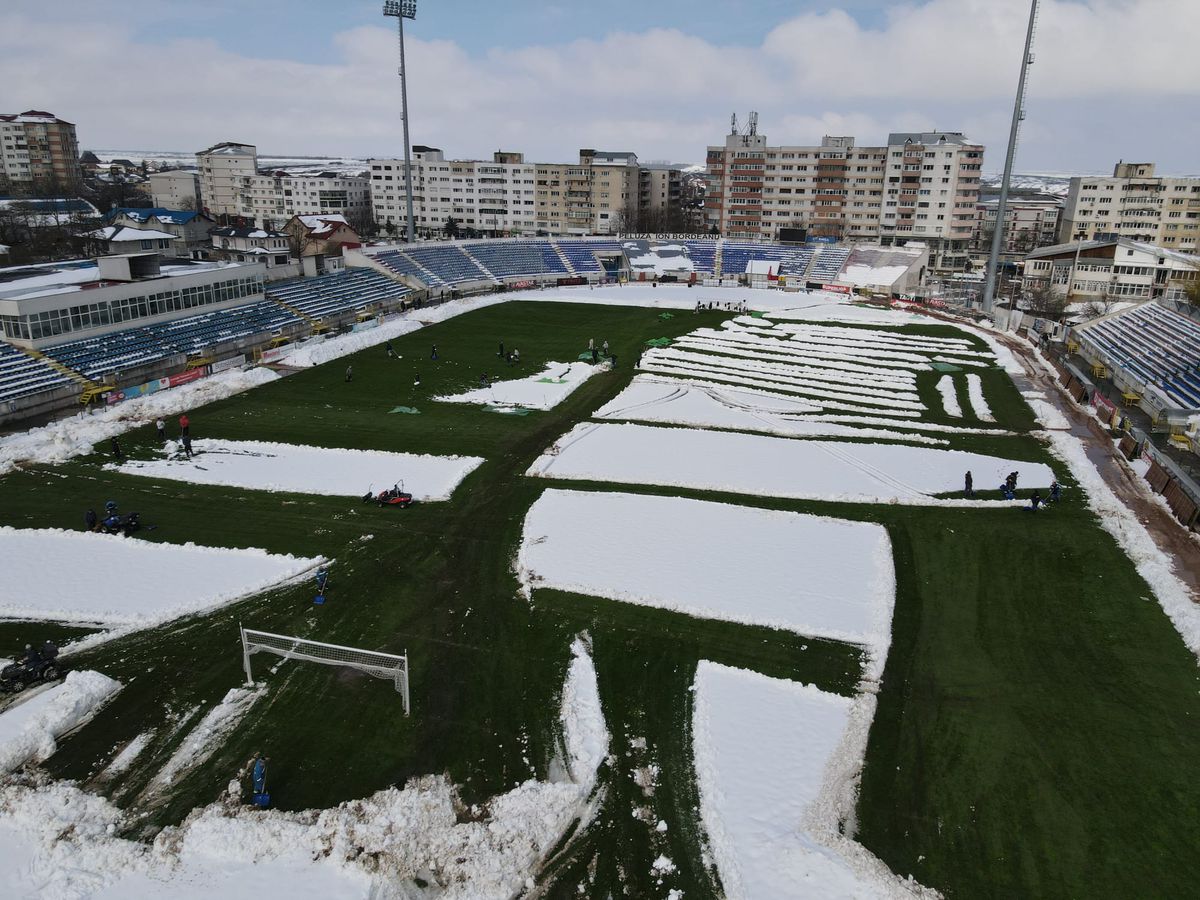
(1124, 243)
(158, 214)
(245, 231)
(116, 233)
(323, 224)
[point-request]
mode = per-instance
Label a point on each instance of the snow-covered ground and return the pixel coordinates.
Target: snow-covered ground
(979, 403)
(267, 466)
(28, 729)
(75, 436)
(775, 467)
(79, 576)
(58, 842)
(777, 765)
(715, 560)
(680, 401)
(542, 390)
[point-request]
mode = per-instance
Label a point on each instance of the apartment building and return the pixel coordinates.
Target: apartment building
(1029, 223)
(38, 150)
(175, 189)
(1116, 269)
(506, 195)
(1136, 204)
(231, 184)
(921, 187)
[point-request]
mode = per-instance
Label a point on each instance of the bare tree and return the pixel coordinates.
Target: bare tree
(1040, 300)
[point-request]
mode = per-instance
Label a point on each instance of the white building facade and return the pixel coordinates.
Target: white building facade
(1136, 204)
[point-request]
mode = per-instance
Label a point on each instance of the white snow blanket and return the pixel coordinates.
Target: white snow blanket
(979, 403)
(949, 394)
(818, 576)
(80, 576)
(57, 841)
(542, 390)
(775, 467)
(268, 466)
(28, 729)
(706, 404)
(77, 435)
(777, 765)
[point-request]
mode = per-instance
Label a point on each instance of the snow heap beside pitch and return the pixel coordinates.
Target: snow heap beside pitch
(28, 731)
(57, 837)
(542, 390)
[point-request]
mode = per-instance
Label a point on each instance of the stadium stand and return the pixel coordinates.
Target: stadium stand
(703, 255)
(447, 261)
(828, 263)
(22, 374)
(396, 261)
(1156, 345)
(97, 356)
(512, 259)
(342, 292)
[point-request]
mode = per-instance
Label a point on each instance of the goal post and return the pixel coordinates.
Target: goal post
(388, 666)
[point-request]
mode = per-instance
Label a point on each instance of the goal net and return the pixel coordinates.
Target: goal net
(379, 665)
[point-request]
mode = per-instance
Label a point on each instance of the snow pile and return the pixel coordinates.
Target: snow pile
(945, 387)
(68, 438)
(126, 758)
(268, 466)
(57, 841)
(314, 353)
(1049, 415)
(716, 561)
(775, 467)
(80, 576)
(777, 765)
(206, 737)
(28, 730)
(979, 403)
(543, 390)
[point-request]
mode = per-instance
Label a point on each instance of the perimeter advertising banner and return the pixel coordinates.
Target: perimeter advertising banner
(151, 387)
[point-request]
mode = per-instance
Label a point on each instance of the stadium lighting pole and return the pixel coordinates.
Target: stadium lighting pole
(989, 282)
(401, 10)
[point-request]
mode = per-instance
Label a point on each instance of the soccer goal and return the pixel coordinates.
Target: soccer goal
(379, 665)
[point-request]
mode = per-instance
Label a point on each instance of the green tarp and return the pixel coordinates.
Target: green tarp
(407, 410)
(945, 367)
(659, 342)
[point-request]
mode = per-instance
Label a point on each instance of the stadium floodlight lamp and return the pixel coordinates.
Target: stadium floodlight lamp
(401, 9)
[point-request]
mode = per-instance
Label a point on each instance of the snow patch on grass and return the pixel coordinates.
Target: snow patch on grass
(542, 390)
(979, 403)
(28, 730)
(945, 387)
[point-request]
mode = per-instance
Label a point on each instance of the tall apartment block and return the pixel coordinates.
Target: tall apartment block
(506, 195)
(1134, 204)
(38, 154)
(922, 186)
(231, 184)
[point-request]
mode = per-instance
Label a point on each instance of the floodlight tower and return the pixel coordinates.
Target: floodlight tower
(401, 10)
(989, 279)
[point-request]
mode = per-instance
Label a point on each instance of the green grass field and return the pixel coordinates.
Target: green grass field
(1037, 726)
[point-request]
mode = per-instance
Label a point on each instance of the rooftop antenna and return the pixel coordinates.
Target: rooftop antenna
(989, 279)
(733, 124)
(753, 123)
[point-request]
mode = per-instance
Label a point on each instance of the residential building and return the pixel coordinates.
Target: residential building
(247, 244)
(599, 194)
(232, 185)
(1029, 223)
(116, 239)
(1116, 269)
(660, 195)
(923, 186)
(1136, 204)
(38, 151)
(175, 189)
(190, 228)
(319, 235)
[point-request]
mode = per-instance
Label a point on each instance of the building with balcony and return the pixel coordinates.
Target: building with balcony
(1135, 204)
(1112, 270)
(39, 151)
(1029, 223)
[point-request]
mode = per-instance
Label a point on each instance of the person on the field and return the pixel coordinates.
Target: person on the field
(162, 430)
(516, 357)
(184, 424)
(591, 344)
(258, 774)
(433, 353)
(1035, 501)
(390, 352)
(1055, 492)
(606, 348)
(595, 356)
(417, 381)
(90, 519)
(501, 353)
(969, 488)
(31, 657)
(186, 441)
(349, 374)
(115, 445)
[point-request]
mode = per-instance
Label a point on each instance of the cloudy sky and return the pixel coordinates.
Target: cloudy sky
(1112, 79)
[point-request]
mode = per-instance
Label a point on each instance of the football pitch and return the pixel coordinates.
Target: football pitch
(1036, 715)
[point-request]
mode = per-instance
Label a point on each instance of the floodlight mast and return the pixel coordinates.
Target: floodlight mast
(401, 10)
(993, 266)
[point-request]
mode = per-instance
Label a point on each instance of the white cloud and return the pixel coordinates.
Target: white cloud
(1107, 73)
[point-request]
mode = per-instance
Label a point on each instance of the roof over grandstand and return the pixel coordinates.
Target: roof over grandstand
(27, 282)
